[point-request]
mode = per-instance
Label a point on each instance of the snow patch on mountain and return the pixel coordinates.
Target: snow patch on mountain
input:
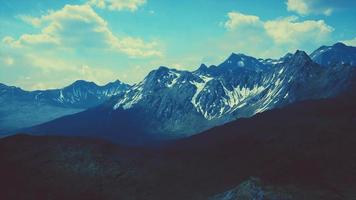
(175, 76)
(130, 98)
(235, 97)
(199, 87)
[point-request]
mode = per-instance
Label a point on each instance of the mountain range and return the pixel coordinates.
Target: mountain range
(171, 104)
(250, 129)
(20, 108)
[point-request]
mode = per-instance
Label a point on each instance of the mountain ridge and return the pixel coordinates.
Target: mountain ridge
(20, 108)
(170, 103)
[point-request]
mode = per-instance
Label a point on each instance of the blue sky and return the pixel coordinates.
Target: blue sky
(49, 44)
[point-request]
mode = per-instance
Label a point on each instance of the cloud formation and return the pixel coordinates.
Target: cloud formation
(237, 19)
(290, 30)
(299, 6)
(42, 70)
(79, 25)
(324, 7)
(118, 5)
(63, 46)
(287, 30)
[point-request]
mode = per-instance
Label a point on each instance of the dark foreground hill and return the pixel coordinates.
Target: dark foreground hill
(303, 151)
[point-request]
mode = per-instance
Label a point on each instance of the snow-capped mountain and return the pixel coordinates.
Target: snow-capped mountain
(240, 87)
(81, 94)
(338, 53)
(20, 108)
(212, 92)
(170, 103)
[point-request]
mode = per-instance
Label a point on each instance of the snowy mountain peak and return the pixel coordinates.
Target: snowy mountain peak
(241, 62)
(237, 59)
(338, 53)
(174, 103)
(161, 78)
(80, 94)
(157, 73)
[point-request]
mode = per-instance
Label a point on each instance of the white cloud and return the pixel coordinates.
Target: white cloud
(71, 43)
(131, 5)
(237, 19)
(282, 30)
(98, 3)
(299, 6)
(54, 72)
(289, 30)
(49, 64)
(306, 7)
(76, 26)
(351, 42)
(10, 41)
(251, 35)
(328, 11)
(30, 20)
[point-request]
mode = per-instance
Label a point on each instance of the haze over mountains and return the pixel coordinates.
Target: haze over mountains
(170, 104)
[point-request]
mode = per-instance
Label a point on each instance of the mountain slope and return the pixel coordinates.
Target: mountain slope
(338, 53)
(21, 108)
(171, 104)
(304, 144)
(301, 151)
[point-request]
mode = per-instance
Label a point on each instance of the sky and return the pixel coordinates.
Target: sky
(50, 44)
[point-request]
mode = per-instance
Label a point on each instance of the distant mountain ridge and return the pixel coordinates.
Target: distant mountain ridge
(20, 108)
(338, 53)
(170, 103)
(80, 94)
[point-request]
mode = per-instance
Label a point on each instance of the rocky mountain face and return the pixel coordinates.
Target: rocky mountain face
(19, 108)
(82, 94)
(239, 87)
(170, 103)
(338, 53)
